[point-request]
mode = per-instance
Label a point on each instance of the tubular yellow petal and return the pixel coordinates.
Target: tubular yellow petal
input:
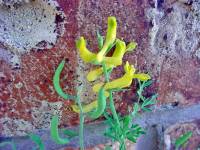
(142, 76)
(94, 74)
(122, 82)
(130, 69)
(115, 61)
(86, 108)
(85, 54)
(120, 49)
(118, 54)
(98, 86)
(126, 66)
(110, 37)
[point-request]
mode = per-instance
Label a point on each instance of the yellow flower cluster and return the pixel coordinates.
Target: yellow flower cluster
(110, 63)
(90, 57)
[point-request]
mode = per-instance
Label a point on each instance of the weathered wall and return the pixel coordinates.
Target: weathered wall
(27, 97)
(168, 37)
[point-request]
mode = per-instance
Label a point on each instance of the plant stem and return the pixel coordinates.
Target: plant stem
(141, 88)
(82, 117)
(113, 110)
(122, 145)
(105, 72)
(81, 126)
(112, 105)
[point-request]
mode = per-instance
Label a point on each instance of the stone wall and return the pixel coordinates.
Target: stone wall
(36, 35)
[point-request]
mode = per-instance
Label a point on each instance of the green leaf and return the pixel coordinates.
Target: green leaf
(108, 120)
(69, 133)
(147, 83)
(150, 101)
(54, 131)
(135, 131)
(144, 84)
(131, 138)
(136, 108)
(9, 143)
(126, 121)
(35, 138)
(56, 82)
(108, 147)
(137, 128)
(146, 109)
(101, 105)
(154, 97)
(100, 40)
(183, 139)
(108, 134)
(141, 96)
(109, 71)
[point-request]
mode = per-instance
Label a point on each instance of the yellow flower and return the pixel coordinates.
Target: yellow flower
(113, 61)
(86, 108)
(94, 74)
(142, 76)
(85, 54)
(110, 62)
(110, 37)
(90, 57)
(118, 54)
(124, 81)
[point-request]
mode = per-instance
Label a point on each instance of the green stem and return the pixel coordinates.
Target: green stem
(82, 117)
(122, 145)
(8, 143)
(81, 126)
(113, 110)
(112, 105)
(141, 88)
(105, 72)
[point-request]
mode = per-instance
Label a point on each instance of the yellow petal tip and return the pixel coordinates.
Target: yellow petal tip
(112, 21)
(142, 76)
